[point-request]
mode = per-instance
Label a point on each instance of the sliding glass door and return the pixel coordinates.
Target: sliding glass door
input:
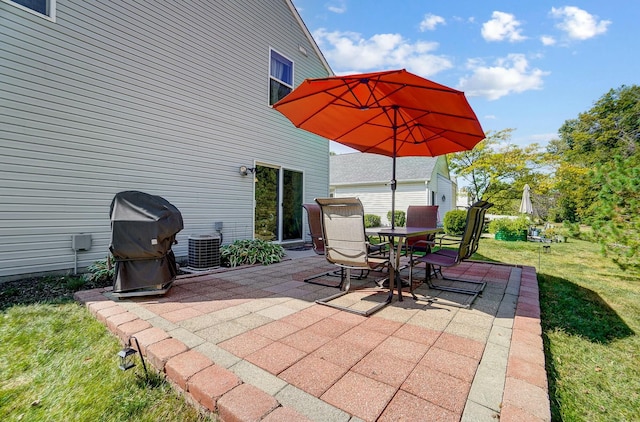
(278, 201)
(292, 205)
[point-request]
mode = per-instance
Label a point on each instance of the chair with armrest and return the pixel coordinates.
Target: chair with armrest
(315, 227)
(450, 251)
(346, 245)
(447, 244)
(314, 219)
(315, 230)
(421, 216)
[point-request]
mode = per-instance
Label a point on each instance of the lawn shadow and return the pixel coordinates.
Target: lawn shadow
(578, 311)
(478, 257)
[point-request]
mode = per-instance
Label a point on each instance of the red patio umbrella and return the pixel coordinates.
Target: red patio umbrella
(393, 113)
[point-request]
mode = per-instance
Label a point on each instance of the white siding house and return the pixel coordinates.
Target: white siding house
(166, 97)
(420, 181)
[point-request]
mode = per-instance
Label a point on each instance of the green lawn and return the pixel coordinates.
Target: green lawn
(591, 324)
(59, 364)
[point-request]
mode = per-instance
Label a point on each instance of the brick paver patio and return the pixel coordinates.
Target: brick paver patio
(251, 344)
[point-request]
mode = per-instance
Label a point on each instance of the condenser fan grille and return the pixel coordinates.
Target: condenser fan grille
(204, 251)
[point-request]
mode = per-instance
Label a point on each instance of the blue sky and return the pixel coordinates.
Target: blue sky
(526, 65)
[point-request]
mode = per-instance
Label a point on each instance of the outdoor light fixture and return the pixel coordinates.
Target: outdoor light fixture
(244, 170)
(126, 356)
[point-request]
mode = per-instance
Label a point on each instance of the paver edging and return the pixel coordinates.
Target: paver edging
(138, 325)
(536, 406)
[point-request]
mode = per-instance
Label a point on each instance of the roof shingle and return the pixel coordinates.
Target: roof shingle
(373, 168)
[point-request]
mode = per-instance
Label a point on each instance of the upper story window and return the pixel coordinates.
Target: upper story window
(280, 77)
(43, 7)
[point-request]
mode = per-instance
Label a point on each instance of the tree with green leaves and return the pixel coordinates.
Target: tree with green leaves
(610, 128)
(497, 170)
(617, 221)
(598, 172)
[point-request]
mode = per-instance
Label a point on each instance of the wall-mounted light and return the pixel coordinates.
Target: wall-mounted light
(244, 170)
(444, 198)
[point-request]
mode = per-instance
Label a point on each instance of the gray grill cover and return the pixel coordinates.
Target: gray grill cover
(143, 228)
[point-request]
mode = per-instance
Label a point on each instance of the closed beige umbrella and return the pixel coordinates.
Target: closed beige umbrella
(525, 205)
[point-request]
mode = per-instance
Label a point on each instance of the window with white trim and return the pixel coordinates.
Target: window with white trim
(43, 7)
(280, 77)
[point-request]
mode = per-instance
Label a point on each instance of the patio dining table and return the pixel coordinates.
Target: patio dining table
(397, 237)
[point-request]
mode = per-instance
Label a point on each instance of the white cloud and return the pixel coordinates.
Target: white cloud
(542, 138)
(430, 22)
(502, 26)
(578, 23)
(547, 40)
(349, 52)
(507, 76)
(339, 8)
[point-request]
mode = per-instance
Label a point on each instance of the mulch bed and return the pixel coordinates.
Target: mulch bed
(42, 289)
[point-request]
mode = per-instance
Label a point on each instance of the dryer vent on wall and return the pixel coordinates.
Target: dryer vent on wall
(204, 251)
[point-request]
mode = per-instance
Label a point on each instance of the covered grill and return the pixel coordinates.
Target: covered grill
(143, 229)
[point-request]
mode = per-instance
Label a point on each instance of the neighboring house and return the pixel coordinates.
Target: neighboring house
(166, 97)
(420, 181)
(463, 202)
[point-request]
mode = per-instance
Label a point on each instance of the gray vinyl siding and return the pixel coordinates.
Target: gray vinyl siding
(169, 98)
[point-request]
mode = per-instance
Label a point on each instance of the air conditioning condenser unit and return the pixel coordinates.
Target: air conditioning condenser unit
(204, 251)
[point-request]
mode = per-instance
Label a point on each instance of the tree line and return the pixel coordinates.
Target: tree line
(589, 174)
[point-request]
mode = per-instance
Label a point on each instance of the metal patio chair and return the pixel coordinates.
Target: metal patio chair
(450, 251)
(421, 216)
(314, 219)
(346, 245)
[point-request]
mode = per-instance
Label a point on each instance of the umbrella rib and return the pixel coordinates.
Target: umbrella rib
(356, 127)
(405, 127)
(407, 123)
(408, 126)
(336, 97)
(386, 109)
(380, 76)
(436, 134)
(439, 113)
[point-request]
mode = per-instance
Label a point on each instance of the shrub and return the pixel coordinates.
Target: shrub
(250, 252)
(455, 221)
(400, 220)
(521, 224)
(550, 232)
(572, 229)
(500, 225)
(556, 234)
(510, 228)
(102, 270)
(371, 220)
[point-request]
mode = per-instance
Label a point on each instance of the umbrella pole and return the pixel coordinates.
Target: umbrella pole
(393, 171)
